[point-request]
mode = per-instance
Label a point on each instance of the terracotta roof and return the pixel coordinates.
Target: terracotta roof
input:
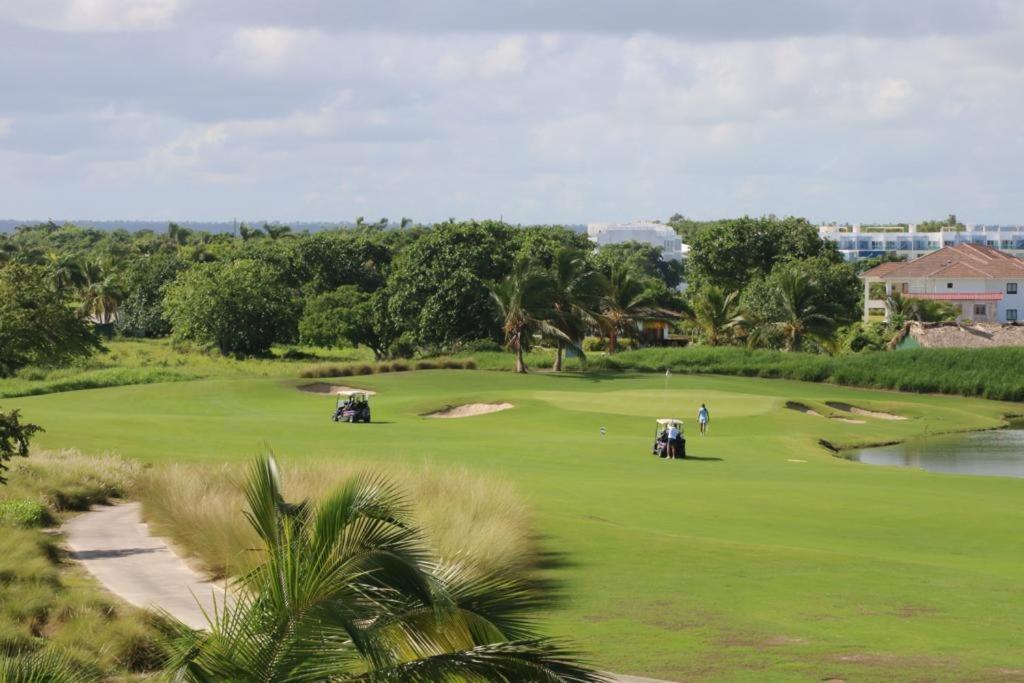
(962, 296)
(960, 261)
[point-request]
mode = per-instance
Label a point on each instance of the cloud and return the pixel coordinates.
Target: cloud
(92, 15)
(856, 110)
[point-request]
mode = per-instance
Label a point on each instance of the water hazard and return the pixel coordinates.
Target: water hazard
(998, 452)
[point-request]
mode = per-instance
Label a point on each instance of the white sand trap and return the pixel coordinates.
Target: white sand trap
(470, 410)
(801, 408)
(847, 420)
(324, 388)
(846, 407)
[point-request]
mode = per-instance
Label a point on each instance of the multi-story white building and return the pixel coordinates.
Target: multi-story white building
(986, 284)
(655, 234)
(856, 242)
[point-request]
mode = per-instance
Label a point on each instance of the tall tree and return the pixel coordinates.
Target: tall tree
(346, 592)
(576, 298)
(624, 305)
(801, 315)
(715, 313)
(523, 300)
(731, 253)
(36, 324)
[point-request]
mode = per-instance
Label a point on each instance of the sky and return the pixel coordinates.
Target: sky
(535, 111)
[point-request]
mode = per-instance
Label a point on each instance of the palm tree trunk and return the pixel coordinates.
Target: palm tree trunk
(520, 363)
(613, 335)
(557, 367)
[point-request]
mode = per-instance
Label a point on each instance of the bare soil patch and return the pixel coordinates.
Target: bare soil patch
(470, 410)
(847, 408)
(325, 388)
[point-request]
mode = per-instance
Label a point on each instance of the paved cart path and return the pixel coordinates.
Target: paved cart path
(114, 544)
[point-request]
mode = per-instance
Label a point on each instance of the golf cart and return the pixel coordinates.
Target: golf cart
(663, 446)
(352, 407)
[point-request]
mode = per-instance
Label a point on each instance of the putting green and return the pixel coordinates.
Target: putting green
(763, 558)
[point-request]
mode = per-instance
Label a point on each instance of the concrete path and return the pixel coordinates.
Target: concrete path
(115, 546)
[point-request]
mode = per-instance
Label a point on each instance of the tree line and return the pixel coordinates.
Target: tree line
(404, 289)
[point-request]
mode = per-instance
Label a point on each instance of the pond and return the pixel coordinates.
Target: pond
(997, 452)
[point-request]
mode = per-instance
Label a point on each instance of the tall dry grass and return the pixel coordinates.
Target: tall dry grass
(464, 516)
(69, 479)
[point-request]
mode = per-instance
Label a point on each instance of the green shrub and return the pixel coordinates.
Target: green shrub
(968, 372)
(23, 513)
(363, 370)
(399, 366)
(426, 365)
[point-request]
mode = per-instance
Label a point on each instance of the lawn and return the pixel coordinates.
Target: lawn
(765, 557)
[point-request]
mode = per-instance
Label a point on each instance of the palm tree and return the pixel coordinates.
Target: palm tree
(801, 314)
(576, 294)
(177, 235)
(625, 302)
(67, 271)
(346, 592)
(902, 308)
(101, 295)
(716, 313)
(247, 233)
(276, 231)
(524, 306)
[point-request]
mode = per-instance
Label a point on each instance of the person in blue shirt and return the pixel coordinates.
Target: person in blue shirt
(702, 419)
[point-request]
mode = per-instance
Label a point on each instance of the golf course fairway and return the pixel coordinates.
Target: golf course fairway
(764, 557)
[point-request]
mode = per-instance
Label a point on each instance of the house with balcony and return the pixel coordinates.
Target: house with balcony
(986, 284)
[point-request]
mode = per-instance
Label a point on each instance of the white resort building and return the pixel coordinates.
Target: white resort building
(857, 242)
(655, 234)
(985, 283)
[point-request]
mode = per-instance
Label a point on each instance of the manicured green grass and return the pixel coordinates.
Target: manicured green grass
(763, 558)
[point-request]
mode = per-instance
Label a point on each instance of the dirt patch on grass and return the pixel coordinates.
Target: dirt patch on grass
(469, 410)
(878, 414)
(325, 388)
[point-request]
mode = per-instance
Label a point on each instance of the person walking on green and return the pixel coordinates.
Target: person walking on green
(702, 419)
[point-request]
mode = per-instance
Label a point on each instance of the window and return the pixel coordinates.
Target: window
(1011, 287)
(1011, 314)
(980, 309)
(949, 285)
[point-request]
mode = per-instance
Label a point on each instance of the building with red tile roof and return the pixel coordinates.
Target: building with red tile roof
(985, 283)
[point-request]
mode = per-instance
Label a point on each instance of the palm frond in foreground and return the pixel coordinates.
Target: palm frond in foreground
(347, 592)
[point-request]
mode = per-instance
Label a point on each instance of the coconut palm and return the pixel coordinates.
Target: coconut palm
(101, 295)
(523, 300)
(177, 235)
(247, 233)
(902, 308)
(346, 592)
(576, 293)
(277, 231)
(625, 303)
(48, 665)
(715, 313)
(800, 315)
(67, 271)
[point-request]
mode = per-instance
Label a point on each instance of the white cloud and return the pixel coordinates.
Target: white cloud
(311, 119)
(90, 16)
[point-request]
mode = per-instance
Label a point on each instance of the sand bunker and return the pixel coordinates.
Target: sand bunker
(846, 407)
(807, 410)
(801, 408)
(324, 388)
(469, 410)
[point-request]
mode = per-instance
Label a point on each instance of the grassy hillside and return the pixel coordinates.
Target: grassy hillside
(764, 556)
